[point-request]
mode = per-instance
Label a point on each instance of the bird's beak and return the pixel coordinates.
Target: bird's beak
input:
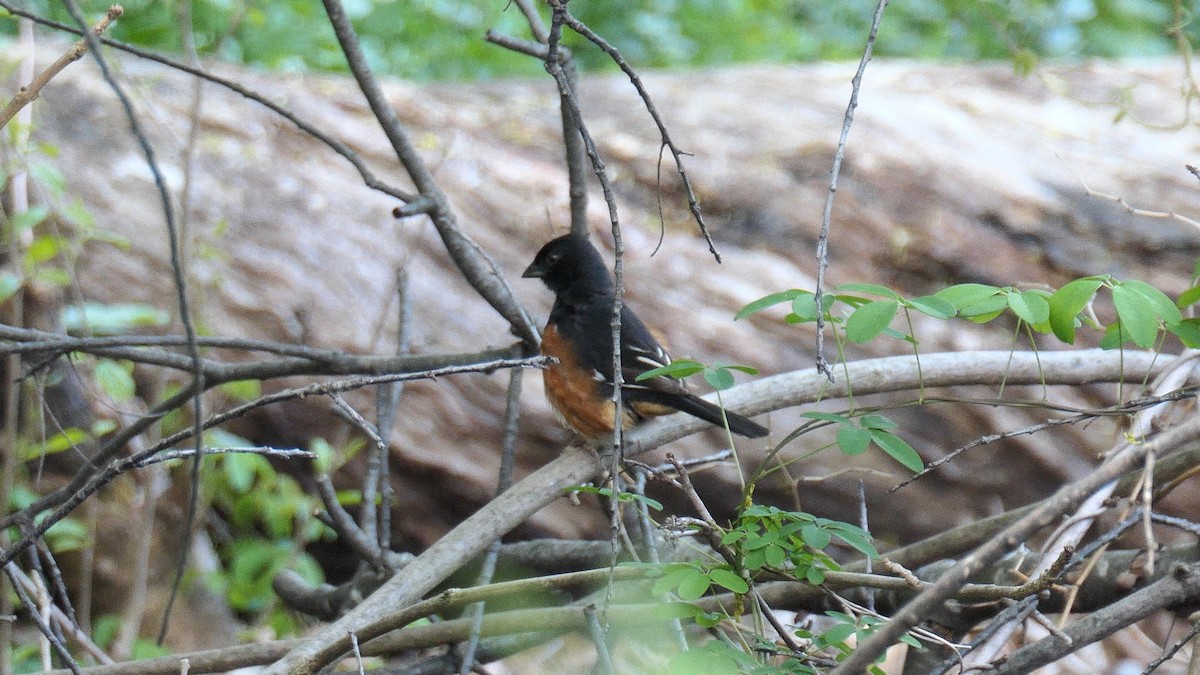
(534, 271)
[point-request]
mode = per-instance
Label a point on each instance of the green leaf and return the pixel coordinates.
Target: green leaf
(693, 585)
(111, 319)
(859, 542)
(964, 295)
(1188, 332)
(770, 301)
(718, 378)
(877, 421)
(816, 537)
(774, 555)
(1029, 306)
(804, 308)
(9, 285)
(671, 580)
(853, 440)
(680, 368)
(242, 391)
(1136, 314)
(1163, 307)
(43, 249)
(51, 276)
(839, 633)
(898, 449)
(674, 610)
(728, 579)
(990, 306)
(1189, 297)
(868, 321)
(871, 289)
(1112, 338)
(29, 219)
(1067, 302)
(66, 439)
(934, 306)
(115, 379)
(814, 575)
(326, 455)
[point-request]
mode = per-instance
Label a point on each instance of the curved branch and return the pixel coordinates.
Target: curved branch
(773, 393)
(476, 266)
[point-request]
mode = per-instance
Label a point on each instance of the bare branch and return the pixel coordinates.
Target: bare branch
(29, 93)
(834, 172)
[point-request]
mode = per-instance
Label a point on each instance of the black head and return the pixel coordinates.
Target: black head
(570, 262)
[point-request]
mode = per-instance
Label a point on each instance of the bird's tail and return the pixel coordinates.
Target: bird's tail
(711, 413)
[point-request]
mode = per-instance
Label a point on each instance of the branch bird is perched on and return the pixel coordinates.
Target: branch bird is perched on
(579, 336)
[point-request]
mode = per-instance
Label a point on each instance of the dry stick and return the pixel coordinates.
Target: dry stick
(218, 373)
(181, 297)
(536, 25)
(418, 636)
(43, 622)
(827, 215)
(508, 457)
(559, 17)
(576, 153)
(99, 479)
(693, 202)
(1120, 409)
(889, 374)
(18, 194)
(598, 633)
(14, 340)
(1170, 653)
(1181, 586)
(414, 204)
(56, 579)
(1066, 498)
(386, 403)
(374, 615)
(360, 541)
(370, 482)
(29, 93)
(74, 632)
(296, 360)
(476, 266)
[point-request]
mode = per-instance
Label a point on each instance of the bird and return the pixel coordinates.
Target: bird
(578, 335)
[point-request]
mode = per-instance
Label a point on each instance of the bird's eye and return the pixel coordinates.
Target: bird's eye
(552, 258)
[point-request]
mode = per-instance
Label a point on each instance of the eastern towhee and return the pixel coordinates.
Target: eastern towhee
(579, 336)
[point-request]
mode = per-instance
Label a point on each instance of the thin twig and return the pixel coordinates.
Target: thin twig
(476, 266)
(42, 621)
(181, 296)
(508, 457)
(827, 214)
(99, 479)
(414, 204)
(29, 93)
(693, 202)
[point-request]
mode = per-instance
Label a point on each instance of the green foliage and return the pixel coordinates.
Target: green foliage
(690, 581)
(96, 318)
(438, 39)
(623, 497)
(769, 537)
(856, 434)
(270, 518)
(717, 375)
(846, 632)
(1143, 312)
(106, 628)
